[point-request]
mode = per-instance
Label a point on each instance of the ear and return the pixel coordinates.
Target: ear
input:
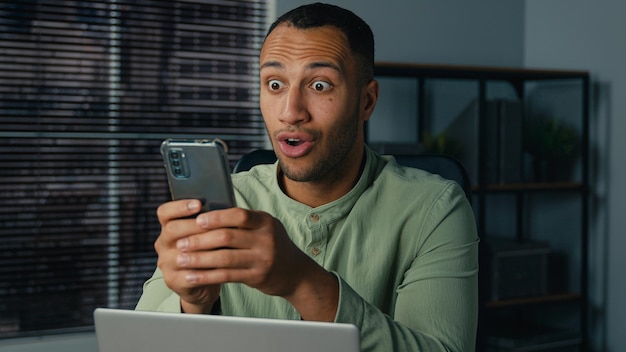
(369, 97)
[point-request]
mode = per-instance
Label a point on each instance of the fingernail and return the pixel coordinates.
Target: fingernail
(182, 244)
(193, 205)
(182, 259)
(191, 278)
(202, 221)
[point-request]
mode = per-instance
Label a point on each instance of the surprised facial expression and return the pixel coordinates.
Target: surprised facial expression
(311, 101)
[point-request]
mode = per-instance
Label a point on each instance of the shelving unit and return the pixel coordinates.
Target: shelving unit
(522, 202)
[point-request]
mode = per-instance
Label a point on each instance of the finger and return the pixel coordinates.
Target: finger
(182, 281)
(172, 233)
(173, 273)
(217, 276)
(216, 239)
(217, 259)
(232, 217)
(178, 209)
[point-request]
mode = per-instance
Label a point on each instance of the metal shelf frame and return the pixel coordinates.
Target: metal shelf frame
(517, 78)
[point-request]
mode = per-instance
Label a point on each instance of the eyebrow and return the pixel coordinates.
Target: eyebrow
(323, 64)
(274, 64)
(311, 66)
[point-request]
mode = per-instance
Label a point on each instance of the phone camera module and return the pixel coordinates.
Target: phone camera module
(178, 164)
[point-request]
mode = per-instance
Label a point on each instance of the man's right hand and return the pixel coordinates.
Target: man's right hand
(177, 225)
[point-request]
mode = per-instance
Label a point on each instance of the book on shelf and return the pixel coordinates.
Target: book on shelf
(502, 140)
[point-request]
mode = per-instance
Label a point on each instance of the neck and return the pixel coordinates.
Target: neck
(329, 189)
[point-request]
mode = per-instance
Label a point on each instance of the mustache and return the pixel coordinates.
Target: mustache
(307, 131)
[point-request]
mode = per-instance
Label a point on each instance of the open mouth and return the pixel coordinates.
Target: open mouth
(293, 142)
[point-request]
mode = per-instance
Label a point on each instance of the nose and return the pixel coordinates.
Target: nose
(294, 110)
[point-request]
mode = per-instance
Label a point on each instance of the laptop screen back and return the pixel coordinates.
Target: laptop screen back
(127, 330)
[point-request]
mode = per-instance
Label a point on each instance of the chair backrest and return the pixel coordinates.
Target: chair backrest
(442, 165)
(255, 157)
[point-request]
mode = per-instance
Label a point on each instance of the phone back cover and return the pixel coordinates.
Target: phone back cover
(206, 174)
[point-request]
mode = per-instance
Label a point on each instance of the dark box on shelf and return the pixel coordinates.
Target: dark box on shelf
(515, 269)
(528, 336)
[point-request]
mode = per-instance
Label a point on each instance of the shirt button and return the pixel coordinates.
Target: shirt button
(315, 217)
(315, 251)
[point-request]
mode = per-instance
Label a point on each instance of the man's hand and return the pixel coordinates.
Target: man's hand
(249, 247)
(176, 226)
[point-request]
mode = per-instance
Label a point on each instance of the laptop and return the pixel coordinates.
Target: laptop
(119, 330)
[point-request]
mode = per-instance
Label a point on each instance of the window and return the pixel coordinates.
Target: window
(88, 90)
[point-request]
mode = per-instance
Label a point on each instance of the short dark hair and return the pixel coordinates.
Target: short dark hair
(358, 33)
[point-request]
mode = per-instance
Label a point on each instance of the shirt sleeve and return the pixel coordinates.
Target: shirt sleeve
(436, 306)
(157, 297)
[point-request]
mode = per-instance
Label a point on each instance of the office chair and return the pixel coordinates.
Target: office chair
(255, 157)
(445, 166)
(442, 165)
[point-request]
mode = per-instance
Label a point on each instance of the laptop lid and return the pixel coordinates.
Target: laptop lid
(120, 330)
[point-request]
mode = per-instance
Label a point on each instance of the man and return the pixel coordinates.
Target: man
(332, 232)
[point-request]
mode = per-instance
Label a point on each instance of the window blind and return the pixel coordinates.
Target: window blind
(88, 90)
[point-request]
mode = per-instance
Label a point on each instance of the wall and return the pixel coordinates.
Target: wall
(486, 32)
(578, 34)
(443, 32)
(80, 342)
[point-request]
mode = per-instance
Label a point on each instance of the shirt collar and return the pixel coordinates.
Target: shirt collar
(331, 212)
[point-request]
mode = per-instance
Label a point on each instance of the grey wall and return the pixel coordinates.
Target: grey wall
(452, 32)
(579, 34)
(80, 342)
(488, 32)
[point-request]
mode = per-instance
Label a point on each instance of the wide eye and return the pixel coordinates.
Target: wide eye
(275, 84)
(321, 86)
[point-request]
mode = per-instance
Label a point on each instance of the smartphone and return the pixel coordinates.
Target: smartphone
(199, 169)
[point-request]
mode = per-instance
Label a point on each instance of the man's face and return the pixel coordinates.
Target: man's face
(310, 101)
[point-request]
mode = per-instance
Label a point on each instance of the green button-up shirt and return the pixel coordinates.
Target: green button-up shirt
(402, 243)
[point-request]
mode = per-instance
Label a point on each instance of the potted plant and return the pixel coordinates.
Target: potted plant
(440, 144)
(553, 147)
